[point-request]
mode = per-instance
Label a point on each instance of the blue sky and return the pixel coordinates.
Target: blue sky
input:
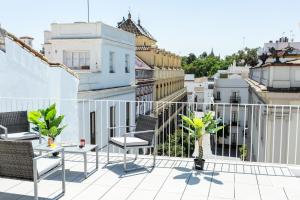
(181, 26)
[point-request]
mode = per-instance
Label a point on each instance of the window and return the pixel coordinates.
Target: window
(218, 95)
(93, 127)
(234, 116)
(128, 117)
(77, 60)
(234, 94)
(112, 120)
(111, 62)
(127, 60)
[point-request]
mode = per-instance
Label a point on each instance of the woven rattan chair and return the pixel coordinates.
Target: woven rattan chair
(142, 137)
(17, 161)
(15, 126)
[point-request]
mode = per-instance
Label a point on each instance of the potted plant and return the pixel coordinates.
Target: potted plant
(197, 127)
(47, 123)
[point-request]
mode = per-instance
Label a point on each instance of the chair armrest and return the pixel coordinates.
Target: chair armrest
(35, 159)
(5, 130)
(135, 132)
(138, 132)
(118, 127)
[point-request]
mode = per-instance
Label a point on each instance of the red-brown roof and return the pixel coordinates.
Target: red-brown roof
(39, 55)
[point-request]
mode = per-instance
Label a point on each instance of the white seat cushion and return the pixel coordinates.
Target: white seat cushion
(44, 165)
(19, 136)
(130, 141)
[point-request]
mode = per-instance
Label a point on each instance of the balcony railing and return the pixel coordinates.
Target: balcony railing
(268, 133)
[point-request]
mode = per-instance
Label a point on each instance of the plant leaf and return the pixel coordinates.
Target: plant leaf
(57, 121)
(51, 114)
(187, 120)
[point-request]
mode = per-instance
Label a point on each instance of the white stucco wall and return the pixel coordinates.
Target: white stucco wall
(277, 76)
(274, 139)
(99, 40)
(25, 76)
(226, 87)
(98, 83)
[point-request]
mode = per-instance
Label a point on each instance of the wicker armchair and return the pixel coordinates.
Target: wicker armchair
(142, 137)
(15, 126)
(17, 161)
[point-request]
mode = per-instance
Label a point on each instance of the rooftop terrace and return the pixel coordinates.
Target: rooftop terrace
(171, 179)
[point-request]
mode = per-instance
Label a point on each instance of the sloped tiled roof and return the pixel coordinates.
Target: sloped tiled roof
(38, 54)
(133, 27)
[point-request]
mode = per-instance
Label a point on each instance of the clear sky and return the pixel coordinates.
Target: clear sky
(181, 26)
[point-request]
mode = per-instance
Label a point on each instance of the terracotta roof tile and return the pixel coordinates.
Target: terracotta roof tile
(132, 27)
(39, 55)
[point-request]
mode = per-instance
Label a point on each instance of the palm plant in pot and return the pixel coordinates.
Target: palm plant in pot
(47, 123)
(197, 127)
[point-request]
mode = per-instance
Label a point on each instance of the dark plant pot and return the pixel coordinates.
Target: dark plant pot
(55, 154)
(199, 163)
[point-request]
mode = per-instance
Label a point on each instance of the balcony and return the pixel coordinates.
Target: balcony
(166, 73)
(235, 99)
(217, 98)
(267, 172)
(235, 123)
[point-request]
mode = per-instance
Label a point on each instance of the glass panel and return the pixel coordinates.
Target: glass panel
(75, 59)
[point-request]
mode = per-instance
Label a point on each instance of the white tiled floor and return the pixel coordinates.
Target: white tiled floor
(171, 179)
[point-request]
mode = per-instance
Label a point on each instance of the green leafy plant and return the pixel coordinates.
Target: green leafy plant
(197, 127)
(243, 152)
(46, 122)
(177, 144)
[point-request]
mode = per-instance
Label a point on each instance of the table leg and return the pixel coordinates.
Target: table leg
(85, 165)
(97, 158)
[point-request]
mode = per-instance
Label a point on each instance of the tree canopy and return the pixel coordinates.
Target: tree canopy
(208, 64)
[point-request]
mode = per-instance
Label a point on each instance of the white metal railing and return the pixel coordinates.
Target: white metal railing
(269, 133)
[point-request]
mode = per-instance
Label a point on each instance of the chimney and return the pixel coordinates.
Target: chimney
(27, 40)
(47, 36)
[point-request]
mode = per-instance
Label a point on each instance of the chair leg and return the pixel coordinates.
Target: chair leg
(36, 196)
(136, 154)
(108, 153)
(124, 164)
(63, 179)
(154, 157)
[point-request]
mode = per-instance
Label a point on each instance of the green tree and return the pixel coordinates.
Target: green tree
(208, 65)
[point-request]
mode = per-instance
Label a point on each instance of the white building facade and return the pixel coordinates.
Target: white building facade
(104, 58)
(189, 83)
(29, 82)
(231, 89)
(276, 81)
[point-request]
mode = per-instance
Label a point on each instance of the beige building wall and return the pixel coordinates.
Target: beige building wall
(168, 75)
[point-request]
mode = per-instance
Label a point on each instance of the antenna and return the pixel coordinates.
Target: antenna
(244, 42)
(88, 10)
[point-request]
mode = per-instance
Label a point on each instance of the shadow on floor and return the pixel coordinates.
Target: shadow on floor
(71, 176)
(191, 177)
(249, 168)
(10, 196)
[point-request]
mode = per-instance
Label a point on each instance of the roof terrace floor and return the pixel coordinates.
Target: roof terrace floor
(171, 179)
